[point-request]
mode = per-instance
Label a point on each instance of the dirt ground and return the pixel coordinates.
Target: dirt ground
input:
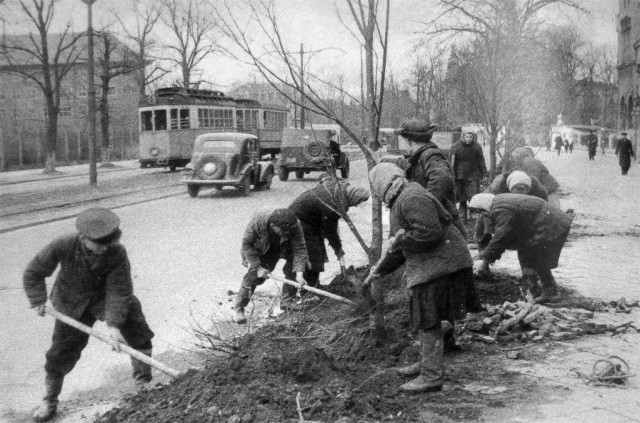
(322, 363)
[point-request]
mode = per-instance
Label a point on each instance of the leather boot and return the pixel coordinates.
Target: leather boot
(431, 365)
(49, 406)
(449, 337)
(242, 299)
(410, 370)
(550, 292)
(239, 316)
(529, 281)
(141, 371)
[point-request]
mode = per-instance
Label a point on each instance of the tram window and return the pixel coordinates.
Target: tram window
(174, 118)
(146, 124)
(160, 120)
(184, 119)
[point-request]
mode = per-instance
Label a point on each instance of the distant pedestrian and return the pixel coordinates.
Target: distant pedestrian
(93, 283)
(624, 151)
(558, 144)
(469, 167)
(603, 144)
(566, 145)
(547, 144)
(592, 145)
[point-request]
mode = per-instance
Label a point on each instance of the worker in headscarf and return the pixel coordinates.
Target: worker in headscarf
(523, 159)
(533, 227)
(438, 270)
(319, 210)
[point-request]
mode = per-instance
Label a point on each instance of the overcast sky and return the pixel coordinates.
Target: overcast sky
(315, 23)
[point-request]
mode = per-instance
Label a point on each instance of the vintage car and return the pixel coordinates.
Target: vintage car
(307, 150)
(227, 158)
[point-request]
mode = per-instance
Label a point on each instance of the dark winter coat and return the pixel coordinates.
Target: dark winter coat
(499, 186)
(592, 143)
(523, 221)
(102, 285)
(430, 168)
(258, 237)
(624, 151)
(558, 143)
(535, 169)
(317, 212)
(431, 246)
(468, 161)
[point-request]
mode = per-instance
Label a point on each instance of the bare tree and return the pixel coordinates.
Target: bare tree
(110, 67)
(191, 24)
(42, 58)
(278, 65)
(147, 16)
(497, 33)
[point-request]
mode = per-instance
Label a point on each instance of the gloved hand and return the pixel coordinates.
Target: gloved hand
(370, 278)
(480, 267)
(340, 254)
(116, 338)
(300, 278)
(263, 273)
(40, 309)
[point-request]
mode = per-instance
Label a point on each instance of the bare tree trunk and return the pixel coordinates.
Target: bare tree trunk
(2, 156)
(104, 127)
(20, 148)
(66, 145)
(78, 144)
(50, 139)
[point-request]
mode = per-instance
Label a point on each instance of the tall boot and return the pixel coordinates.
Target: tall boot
(529, 281)
(141, 371)
(550, 292)
(431, 369)
(242, 299)
(49, 406)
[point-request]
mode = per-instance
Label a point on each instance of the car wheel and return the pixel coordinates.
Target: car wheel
(246, 186)
(283, 173)
(193, 189)
(345, 170)
(300, 174)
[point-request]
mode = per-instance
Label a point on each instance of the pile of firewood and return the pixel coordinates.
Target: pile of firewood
(527, 321)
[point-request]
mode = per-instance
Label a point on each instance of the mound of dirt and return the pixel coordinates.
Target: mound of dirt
(323, 364)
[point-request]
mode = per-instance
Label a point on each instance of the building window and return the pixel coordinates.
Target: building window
(113, 92)
(2, 95)
(65, 111)
(82, 92)
(82, 110)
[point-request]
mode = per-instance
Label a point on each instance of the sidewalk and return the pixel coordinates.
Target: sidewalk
(33, 175)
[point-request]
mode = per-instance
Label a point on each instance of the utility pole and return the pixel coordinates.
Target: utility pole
(301, 86)
(91, 99)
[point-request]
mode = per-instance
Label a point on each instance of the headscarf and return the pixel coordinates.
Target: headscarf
(481, 201)
(356, 195)
(518, 177)
(382, 176)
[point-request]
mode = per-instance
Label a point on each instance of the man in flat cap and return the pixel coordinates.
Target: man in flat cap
(624, 151)
(429, 166)
(469, 168)
(269, 236)
(94, 283)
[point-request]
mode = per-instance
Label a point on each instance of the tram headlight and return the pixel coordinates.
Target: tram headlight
(154, 152)
(209, 168)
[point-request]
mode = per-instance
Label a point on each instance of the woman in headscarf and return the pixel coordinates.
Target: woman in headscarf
(438, 268)
(318, 211)
(530, 225)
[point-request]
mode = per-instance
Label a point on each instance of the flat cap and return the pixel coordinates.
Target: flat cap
(623, 133)
(416, 130)
(97, 223)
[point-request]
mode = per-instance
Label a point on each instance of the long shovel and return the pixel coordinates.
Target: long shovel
(104, 338)
(312, 289)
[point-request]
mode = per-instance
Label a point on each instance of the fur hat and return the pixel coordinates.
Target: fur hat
(97, 223)
(518, 177)
(284, 219)
(416, 130)
(381, 177)
(481, 201)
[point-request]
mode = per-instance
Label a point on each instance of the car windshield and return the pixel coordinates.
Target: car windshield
(219, 145)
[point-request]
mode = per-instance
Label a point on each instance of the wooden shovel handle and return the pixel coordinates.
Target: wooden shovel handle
(104, 338)
(312, 289)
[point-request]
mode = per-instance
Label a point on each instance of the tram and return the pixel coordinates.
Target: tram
(170, 121)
